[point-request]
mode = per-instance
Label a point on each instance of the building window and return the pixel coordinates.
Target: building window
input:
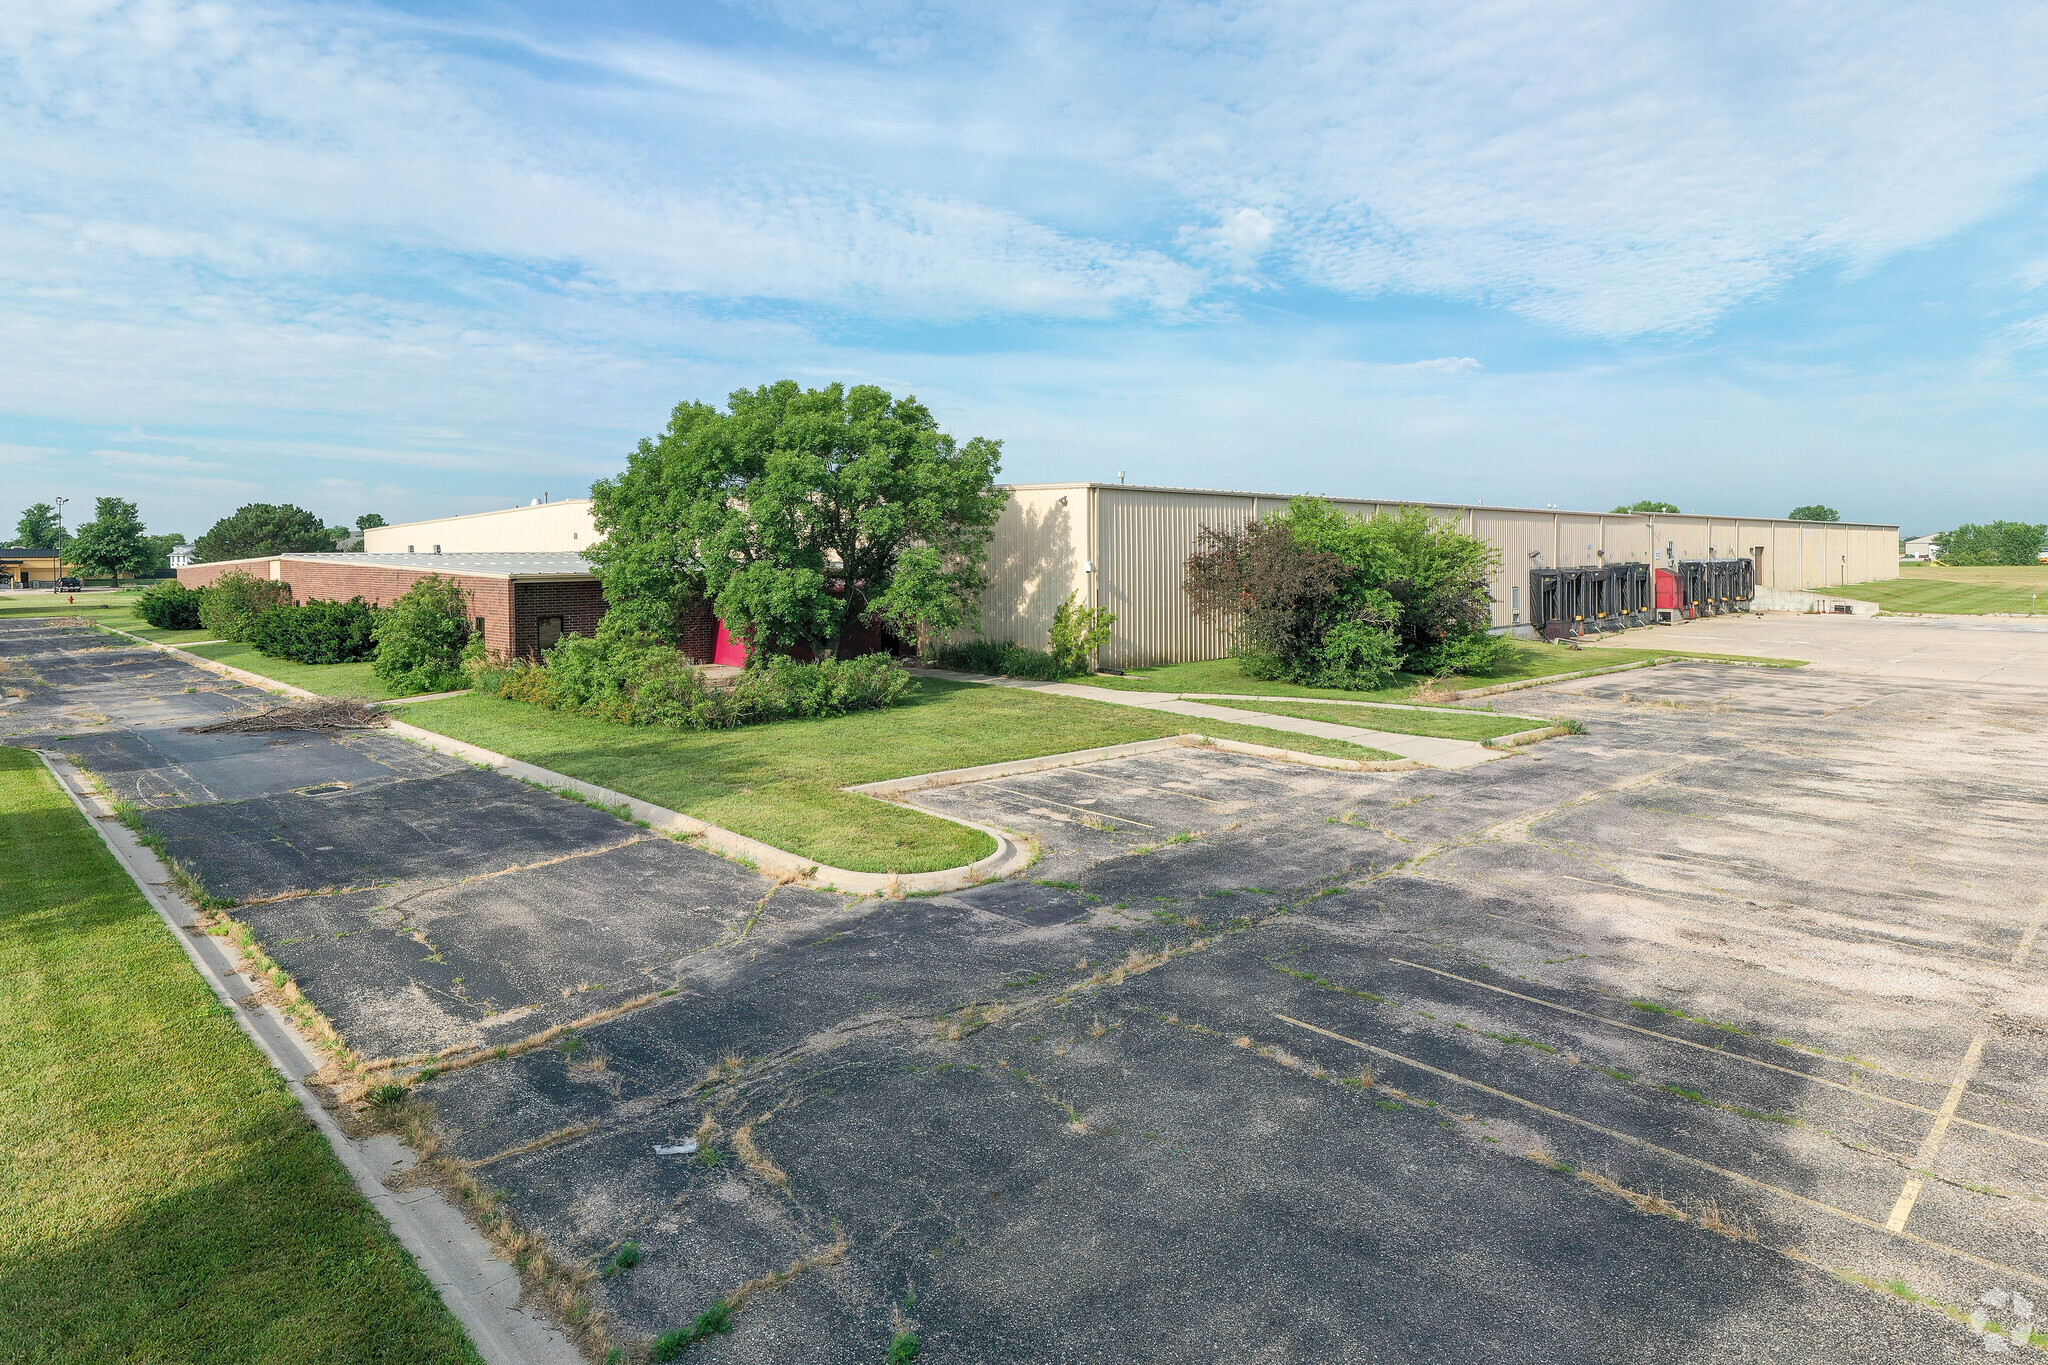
(550, 631)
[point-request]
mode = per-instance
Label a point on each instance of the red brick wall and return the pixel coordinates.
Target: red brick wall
(381, 585)
(700, 634)
(578, 601)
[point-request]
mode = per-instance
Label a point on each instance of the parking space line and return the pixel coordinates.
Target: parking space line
(1649, 1146)
(2026, 943)
(1144, 788)
(1664, 898)
(1930, 1146)
(1723, 1052)
(1048, 801)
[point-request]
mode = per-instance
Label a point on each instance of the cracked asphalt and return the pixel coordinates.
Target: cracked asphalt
(1631, 1048)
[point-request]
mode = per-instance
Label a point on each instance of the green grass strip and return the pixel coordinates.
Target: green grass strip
(1959, 590)
(165, 1197)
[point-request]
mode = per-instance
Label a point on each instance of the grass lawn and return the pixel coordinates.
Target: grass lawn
(87, 604)
(1941, 588)
(1528, 661)
(329, 680)
(1473, 725)
(781, 783)
(166, 1199)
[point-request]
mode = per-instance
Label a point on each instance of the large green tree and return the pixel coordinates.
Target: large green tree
(1649, 505)
(2002, 542)
(799, 513)
(1813, 511)
(113, 542)
(370, 519)
(39, 529)
(262, 528)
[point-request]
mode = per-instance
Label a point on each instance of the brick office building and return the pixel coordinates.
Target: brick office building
(522, 602)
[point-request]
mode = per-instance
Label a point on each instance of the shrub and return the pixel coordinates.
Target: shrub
(1077, 632)
(1326, 599)
(170, 605)
(1296, 611)
(641, 682)
(318, 632)
(231, 603)
(422, 636)
(1000, 657)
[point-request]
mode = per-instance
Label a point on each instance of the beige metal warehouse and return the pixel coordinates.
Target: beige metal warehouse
(1124, 547)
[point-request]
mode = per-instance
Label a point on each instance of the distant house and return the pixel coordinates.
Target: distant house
(1921, 548)
(182, 556)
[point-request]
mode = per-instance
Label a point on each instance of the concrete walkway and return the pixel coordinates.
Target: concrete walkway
(1437, 753)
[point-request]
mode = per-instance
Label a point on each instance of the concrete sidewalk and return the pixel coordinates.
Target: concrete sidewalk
(1437, 753)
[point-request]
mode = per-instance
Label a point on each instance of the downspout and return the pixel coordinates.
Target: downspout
(1094, 556)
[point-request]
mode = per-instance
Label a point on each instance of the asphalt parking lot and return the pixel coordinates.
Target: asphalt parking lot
(1678, 1040)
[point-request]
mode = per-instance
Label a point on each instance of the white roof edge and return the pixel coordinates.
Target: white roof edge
(467, 516)
(372, 559)
(1413, 502)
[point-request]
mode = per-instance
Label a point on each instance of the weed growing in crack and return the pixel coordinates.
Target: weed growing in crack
(904, 1349)
(713, 1320)
(625, 1258)
(1517, 1040)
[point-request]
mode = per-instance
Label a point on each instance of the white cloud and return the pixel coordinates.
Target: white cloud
(325, 245)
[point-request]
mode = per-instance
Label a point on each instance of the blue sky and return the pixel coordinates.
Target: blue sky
(427, 258)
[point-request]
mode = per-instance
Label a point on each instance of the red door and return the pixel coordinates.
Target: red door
(728, 650)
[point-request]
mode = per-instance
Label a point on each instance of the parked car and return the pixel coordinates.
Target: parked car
(68, 584)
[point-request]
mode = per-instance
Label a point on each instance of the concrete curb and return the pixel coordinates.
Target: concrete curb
(1010, 855)
(1563, 677)
(1427, 750)
(1338, 701)
(1522, 737)
(480, 1289)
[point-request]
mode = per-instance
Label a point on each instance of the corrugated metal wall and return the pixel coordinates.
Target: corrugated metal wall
(1138, 540)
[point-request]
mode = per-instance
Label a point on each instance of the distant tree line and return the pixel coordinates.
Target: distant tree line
(2002, 542)
(115, 544)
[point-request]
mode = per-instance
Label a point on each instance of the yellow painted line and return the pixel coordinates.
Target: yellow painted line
(1648, 1146)
(1733, 1056)
(1930, 1146)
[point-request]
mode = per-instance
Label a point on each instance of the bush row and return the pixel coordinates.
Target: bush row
(1005, 658)
(640, 682)
(417, 644)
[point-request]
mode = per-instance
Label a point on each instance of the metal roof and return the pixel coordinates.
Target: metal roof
(502, 564)
(1436, 503)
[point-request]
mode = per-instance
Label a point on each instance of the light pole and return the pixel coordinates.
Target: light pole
(58, 586)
